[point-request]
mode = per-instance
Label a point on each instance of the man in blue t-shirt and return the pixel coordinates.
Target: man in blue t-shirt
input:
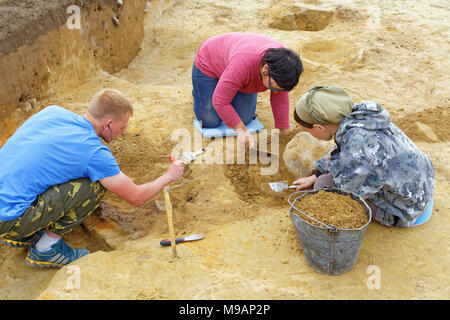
(54, 171)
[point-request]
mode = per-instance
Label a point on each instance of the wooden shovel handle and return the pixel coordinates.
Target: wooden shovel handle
(170, 221)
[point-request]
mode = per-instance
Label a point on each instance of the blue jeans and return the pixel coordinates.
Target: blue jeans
(203, 90)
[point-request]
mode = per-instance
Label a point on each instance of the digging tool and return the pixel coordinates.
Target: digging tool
(192, 237)
(188, 157)
(255, 150)
(281, 186)
(170, 221)
(264, 153)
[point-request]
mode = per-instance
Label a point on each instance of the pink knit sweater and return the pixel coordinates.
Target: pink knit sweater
(235, 59)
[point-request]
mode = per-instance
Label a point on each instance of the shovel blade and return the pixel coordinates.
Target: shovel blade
(278, 186)
(264, 153)
(193, 237)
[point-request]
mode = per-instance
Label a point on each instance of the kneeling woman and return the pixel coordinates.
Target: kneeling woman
(230, 69)
(372, 158)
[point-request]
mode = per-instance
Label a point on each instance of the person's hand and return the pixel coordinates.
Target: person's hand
(175, 170)
(245, 138)
(306, 182)
(285, 130)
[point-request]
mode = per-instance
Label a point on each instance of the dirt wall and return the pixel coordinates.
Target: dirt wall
(50, 46)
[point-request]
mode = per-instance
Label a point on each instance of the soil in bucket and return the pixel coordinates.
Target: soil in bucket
(334, 209)
(331, 243)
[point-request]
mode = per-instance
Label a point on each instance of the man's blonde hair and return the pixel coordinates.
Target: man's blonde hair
(109, 103)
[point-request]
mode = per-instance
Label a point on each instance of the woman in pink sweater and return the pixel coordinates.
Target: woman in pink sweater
(228, 72)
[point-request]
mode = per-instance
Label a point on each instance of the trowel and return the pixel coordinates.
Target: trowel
(264, 153)
(281, 186)
(192, 237)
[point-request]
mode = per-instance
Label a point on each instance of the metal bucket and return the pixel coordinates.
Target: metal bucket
(328, 249)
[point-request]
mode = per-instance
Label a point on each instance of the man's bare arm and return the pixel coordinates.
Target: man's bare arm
(125, 188)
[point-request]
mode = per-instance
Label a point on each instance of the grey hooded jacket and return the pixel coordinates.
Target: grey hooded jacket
(376, 160)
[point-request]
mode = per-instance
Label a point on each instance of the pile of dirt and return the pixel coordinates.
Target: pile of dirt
(134, 146)
(334, 209)
(244, 183)
(429, 125)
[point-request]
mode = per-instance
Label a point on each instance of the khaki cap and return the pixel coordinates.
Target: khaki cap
(324, 105)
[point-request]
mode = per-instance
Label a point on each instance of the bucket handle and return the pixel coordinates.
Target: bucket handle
(332, 227)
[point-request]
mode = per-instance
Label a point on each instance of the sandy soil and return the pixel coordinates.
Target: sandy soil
(334, 209)
(378, 50)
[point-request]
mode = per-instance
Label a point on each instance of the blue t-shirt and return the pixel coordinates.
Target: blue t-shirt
(52, 147)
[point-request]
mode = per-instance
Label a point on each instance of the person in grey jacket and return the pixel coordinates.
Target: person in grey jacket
(372, 157)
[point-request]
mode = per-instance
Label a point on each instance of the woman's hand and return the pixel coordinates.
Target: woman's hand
(244, 137)
(285, 131)
(305, 182)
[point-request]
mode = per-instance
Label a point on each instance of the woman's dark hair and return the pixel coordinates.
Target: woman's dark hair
(301, 122)
(284, 67)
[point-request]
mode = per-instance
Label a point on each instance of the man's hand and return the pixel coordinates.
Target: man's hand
(125, 188)
(306, 182)
(175, 170)
(285, 131)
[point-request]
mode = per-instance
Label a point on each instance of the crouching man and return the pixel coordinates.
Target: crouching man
(372, 157)
(54, 171)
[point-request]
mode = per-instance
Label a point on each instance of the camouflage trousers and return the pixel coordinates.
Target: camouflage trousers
(60, 209)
